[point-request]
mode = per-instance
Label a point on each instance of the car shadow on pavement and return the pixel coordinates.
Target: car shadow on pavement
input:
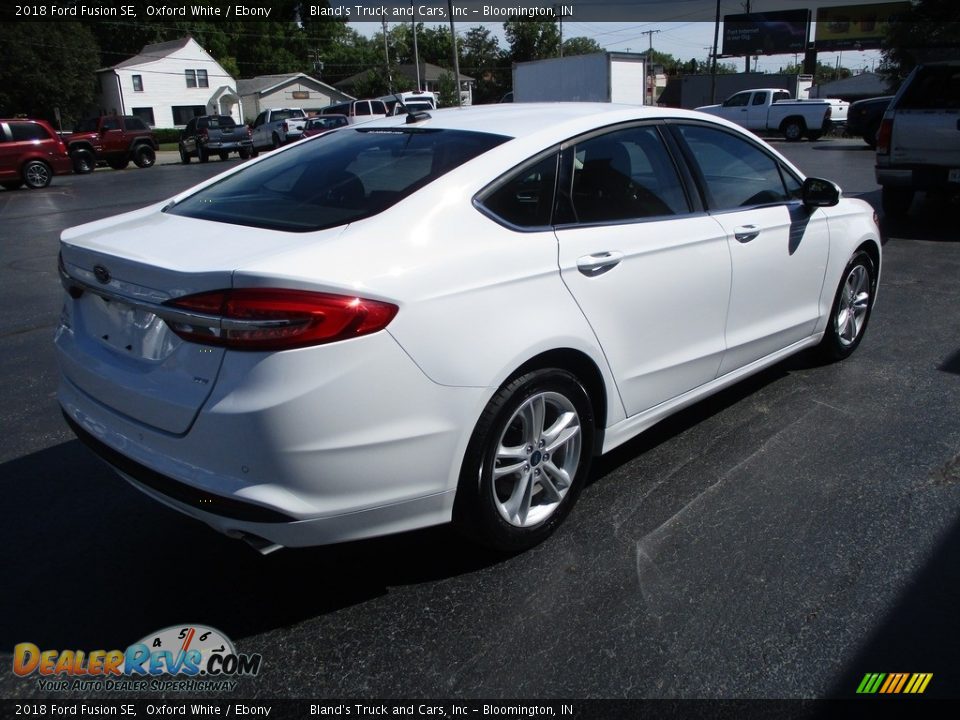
(93, 563)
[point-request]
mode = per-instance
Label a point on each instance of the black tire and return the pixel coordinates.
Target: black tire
(144, 156)
(814, 135)
(224, 155)
(793, 130)
(84, 161)
(871, 140)
(184, 155)
(845, 328)
(896, 201)
(11, 184)
(202, 154)
(275, 140)
(119, 164)
(244, 153)
(37, 174)
(482, 505)
(254, 153)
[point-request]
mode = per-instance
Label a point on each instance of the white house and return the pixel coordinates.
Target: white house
(167, 84)
(290, 90)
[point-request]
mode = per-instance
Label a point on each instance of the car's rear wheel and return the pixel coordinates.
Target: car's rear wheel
(793, 130)
(37, 174)
(244, 153)
(896, 201)
(224, 155)
(851, 308)
(144, 156)
(83, 161)
(527, 460)
(275, 140)
(184, 155)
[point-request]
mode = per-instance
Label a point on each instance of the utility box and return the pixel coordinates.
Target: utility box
(601, 77)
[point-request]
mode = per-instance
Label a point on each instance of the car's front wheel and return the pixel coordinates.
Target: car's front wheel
(527, 460)
(244, 153)
(184, 155)
(37, 174)
(851, 308)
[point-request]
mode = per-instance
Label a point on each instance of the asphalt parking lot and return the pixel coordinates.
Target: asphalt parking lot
(780, 539)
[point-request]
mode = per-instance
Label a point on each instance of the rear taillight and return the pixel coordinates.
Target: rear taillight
(286, 128)
(884, 136)
(203, 135)
(276, 319)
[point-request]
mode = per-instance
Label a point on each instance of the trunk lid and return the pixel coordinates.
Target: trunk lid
(112, 346)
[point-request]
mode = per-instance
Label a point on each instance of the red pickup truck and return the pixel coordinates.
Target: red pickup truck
(111, 139)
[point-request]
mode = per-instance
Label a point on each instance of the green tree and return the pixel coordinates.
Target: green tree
(447, 89)
(44, 66)
(929, 31)
(532, 39)
(482, 59)
(581, 46)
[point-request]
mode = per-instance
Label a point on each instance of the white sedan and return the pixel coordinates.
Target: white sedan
(447, 316)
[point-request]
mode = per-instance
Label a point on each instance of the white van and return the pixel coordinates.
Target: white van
(414, 102)
(358, 111)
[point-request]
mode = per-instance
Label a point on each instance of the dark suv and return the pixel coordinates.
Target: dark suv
(31, 153)
(114, 140)
(918, 144)
(218, 134)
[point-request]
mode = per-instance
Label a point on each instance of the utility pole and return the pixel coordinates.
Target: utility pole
(416, 56)
(561, 28)
(713, 71)
(746, 6)
(386, 56)
(650, 34)
(456, 55)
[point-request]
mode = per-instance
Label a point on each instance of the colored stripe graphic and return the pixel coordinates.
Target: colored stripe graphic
(894, 683)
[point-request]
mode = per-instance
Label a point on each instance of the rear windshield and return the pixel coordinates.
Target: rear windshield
(935, 87)
(220, 121)
(286, 114)
(335, 179)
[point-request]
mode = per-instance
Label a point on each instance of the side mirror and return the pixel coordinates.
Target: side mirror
(817, 192)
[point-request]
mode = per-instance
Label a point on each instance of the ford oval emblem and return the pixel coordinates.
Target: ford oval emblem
(101, 274)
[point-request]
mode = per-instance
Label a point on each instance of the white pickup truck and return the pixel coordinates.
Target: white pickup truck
(772, 109)
(278, 126)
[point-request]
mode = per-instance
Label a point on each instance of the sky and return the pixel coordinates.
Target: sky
(688, 35)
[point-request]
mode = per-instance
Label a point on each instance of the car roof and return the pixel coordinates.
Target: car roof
(518, 120)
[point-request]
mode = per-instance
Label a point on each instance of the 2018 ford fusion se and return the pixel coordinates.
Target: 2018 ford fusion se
(446, 316)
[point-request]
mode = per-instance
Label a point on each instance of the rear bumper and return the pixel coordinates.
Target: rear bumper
(230, 145)
(304, 447)
(918, 177)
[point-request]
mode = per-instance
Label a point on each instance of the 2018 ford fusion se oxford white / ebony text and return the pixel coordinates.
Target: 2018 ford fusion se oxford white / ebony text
(446, 316)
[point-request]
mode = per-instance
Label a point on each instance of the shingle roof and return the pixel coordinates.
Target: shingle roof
(260, 83)
(154, 52)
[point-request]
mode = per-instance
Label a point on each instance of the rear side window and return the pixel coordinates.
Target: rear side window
(935, 87)
(525, 199)
(28, 131)
(625, 175)
(735, 172)
(349, 176)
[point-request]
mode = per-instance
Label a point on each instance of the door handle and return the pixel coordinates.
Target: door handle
(599, 263)
(746, 233)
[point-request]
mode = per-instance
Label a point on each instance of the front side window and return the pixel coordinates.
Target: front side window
(191, 76)
(735, 172)
(526, 198)
(349, 176)
(138, 83)
(738, 100)
(625, 175)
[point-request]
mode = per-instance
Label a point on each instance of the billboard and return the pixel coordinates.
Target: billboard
(766, 33)
(855, 27)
